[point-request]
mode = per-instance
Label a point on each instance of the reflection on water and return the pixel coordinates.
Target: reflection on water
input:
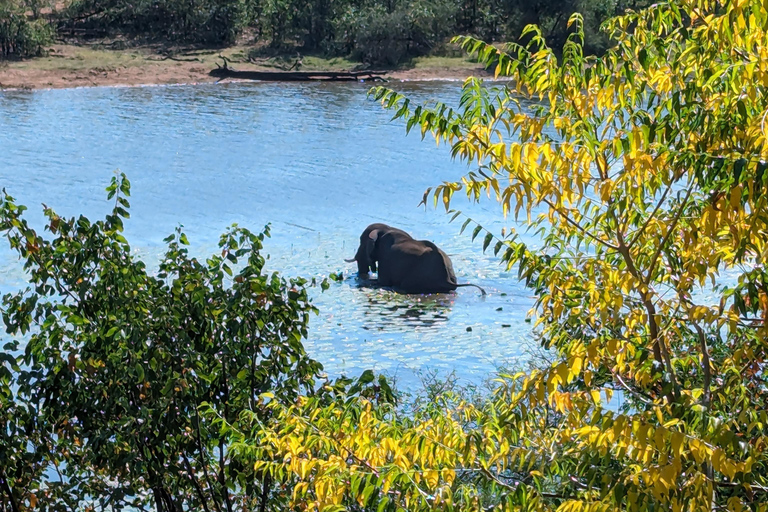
(388, 311)
(317, 161)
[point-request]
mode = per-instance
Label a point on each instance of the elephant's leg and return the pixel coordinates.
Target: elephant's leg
(385, 275)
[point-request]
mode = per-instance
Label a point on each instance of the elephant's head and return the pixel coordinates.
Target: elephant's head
(366, 252)
(365, 257)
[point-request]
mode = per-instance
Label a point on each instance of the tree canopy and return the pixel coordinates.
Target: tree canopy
(19, 35)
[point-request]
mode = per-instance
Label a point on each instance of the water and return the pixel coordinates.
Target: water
(318, 161)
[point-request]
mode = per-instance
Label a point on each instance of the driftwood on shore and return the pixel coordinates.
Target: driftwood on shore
(299, 76)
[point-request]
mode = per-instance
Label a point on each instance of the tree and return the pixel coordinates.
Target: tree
(105, 391)
(644, 173)
(217, 22)
(21, 37)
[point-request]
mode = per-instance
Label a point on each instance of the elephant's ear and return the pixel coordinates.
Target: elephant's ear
(370, 261)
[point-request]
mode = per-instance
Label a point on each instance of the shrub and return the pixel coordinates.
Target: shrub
(118, 361)
(19, 36)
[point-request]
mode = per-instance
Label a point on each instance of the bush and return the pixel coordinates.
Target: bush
(19, 36)
(118, 362)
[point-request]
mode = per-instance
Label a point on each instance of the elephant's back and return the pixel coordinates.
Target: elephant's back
(414, 248)
(442, 260)
(448, 266)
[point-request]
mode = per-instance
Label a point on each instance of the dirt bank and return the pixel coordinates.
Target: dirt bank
(88, 66)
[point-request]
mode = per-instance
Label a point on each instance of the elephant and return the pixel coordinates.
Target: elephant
(405, 264)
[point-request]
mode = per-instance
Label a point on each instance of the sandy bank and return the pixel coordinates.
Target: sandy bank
(80, 66)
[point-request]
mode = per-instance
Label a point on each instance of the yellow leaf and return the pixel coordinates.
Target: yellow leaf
(677, 443)
(432, 477)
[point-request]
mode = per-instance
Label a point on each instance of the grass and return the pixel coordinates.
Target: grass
(81, 57)
(65, 57)
(76, 57)
(439, 62)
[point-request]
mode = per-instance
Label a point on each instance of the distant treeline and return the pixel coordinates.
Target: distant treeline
(376, 32)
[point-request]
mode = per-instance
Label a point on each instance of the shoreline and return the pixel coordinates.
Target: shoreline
(69, 66)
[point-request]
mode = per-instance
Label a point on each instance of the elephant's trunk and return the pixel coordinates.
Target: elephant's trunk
(362, 267)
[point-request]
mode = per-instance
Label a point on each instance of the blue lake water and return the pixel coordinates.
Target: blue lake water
(319, 162)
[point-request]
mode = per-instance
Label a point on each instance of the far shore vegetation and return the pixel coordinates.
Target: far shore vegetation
(289, 34)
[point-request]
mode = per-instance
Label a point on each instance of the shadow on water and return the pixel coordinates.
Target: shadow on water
(389, 311)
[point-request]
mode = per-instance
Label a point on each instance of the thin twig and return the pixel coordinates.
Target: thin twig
(670, 230)
(640, 230)
(493, 477)
(578, 226)
(631, 391)
(199, 490)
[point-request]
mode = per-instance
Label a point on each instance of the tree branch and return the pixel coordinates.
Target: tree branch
(8, 491)
(265, 486)
(199, 490)
(640, 231)
(204, 461)
(663, 243)
(579, 227)
(660, 351)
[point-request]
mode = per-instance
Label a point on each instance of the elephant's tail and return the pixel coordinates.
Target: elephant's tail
(349, 261)
(470, 284)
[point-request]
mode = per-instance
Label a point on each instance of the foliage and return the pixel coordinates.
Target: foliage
(376, 32)
(504, 20)
(194, 21)
(376, 35)
(389, 32)
(644, 174)
(104, 393)
(19, 36)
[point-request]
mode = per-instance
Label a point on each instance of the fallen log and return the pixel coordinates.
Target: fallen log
(299, 76)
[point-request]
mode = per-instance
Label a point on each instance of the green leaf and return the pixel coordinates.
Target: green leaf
(487, 241)
(464, 226)
(366, 377)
